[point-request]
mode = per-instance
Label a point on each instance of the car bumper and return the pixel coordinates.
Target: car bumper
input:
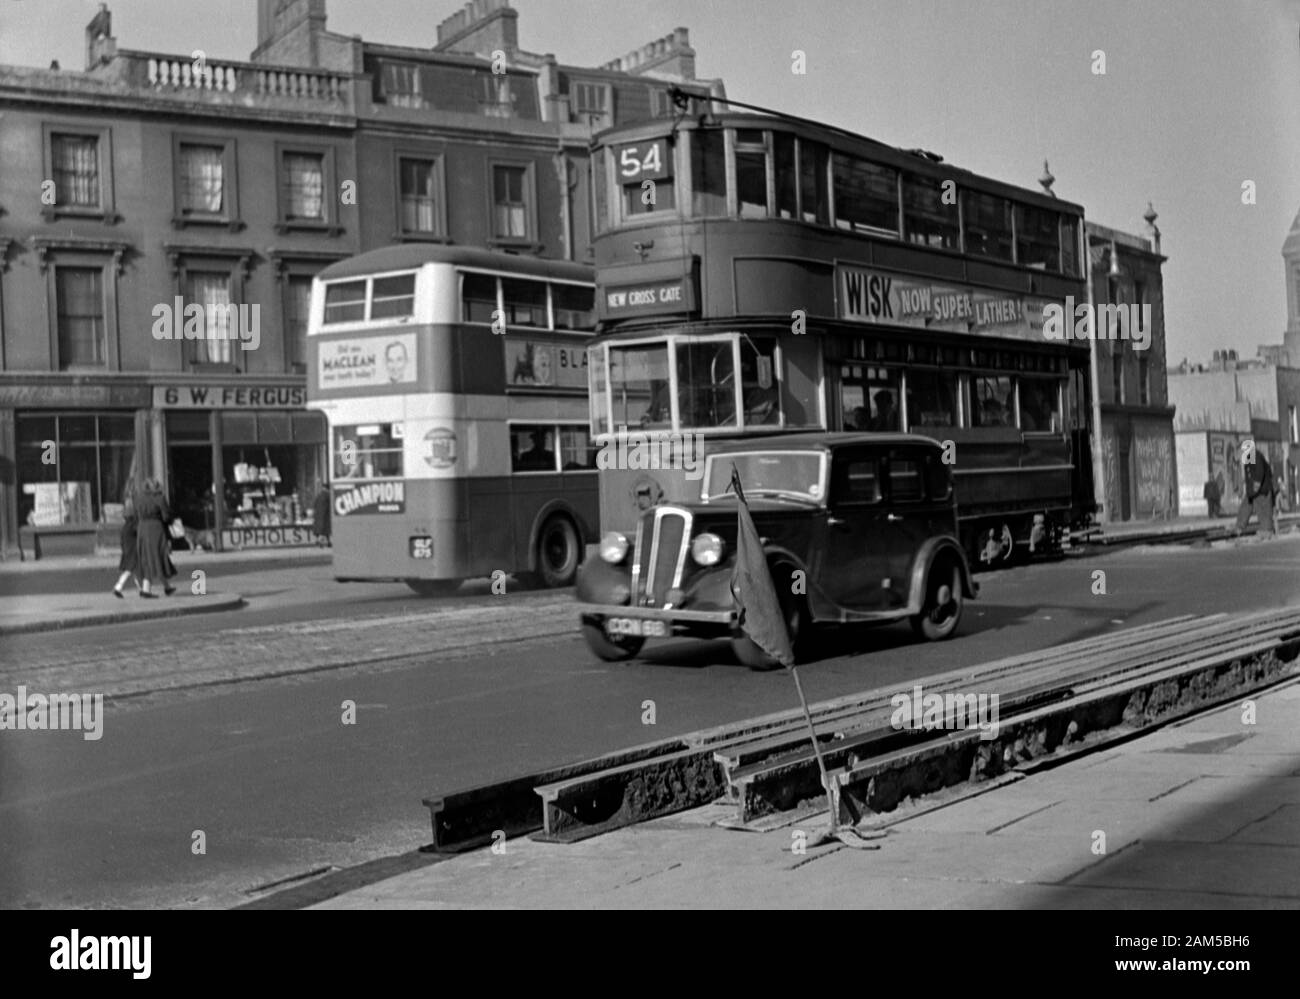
(723, 618)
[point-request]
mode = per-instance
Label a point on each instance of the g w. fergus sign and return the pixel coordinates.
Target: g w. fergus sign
(370, 497)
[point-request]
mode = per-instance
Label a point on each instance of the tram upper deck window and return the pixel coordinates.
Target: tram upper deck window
(708, 173)
(478, 298)
(987, 219)
(786, 175)
(1038, 240)
(926, 219)
(706, 384)
(931, 398)
(866, 195)
(814, 197)
(638, 379)
(751, 174)
(1069, 245)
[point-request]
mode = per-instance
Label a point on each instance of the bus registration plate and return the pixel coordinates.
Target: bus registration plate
(421, 547)
(646, 628)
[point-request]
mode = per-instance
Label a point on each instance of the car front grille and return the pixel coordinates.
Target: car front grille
(662, 538)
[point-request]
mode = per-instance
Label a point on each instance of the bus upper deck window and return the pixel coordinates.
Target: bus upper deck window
(345, 302)
(574, 306)
(478, 295)
(525, 302)
(393, 297)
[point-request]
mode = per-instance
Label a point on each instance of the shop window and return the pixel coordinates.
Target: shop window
(81, 326)
(987, 220)
(368, 451)
(706, 384)
(708, 173)
(931, 398)
(525, 302)
(927, 221)
(1038, 238)
(574, 306)
(814, 201)
(638, 379)
(866, 195)
(420, 195)
(478, 298)
(73, 468)
(787, 175)
(992, 404)
(1040, 405)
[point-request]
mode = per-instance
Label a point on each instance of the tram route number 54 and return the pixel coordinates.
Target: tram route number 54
(644, 162)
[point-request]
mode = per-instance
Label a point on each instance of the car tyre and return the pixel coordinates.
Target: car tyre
(611, 650)
(559, 550)
(797, 622)
(942, 607)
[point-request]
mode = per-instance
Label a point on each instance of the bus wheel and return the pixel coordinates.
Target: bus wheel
(433, 587)
(611, 650)
(558, 552)
(941, 611)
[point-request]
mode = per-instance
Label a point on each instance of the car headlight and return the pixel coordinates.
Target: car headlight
(707, 549)
(613, 547)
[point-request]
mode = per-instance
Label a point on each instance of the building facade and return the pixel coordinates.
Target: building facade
(1138, 456)
(162, 217)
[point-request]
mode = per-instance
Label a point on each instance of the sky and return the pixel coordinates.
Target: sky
(1197, 98)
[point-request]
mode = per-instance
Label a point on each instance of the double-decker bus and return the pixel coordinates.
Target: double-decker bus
(759, 274)
(454, 384)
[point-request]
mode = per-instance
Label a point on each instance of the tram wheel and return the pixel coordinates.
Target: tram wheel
(558, 552)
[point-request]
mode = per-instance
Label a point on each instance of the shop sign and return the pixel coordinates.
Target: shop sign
(282, 536)
(648, 297)
(367, 362)
(229, 396)
(370, 497)
(532, 362)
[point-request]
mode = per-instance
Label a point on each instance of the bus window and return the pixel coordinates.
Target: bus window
(1040, 408)
(708, 173)
(345, 302)
(991, 402)
(866, 195)
(638, 378)
(758, 383)
(931, 398)
(706, 384)
(596, 390)
(393, 297)
(814, 203)
(576, 450)
(478, 295)
(367, 451)
(532, 448)
(574, 306)
(525, 302)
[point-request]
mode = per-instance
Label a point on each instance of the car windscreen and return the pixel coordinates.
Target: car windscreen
(797, 473)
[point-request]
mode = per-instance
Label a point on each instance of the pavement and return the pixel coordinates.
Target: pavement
(1201, 814)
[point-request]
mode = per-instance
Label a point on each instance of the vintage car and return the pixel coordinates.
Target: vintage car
(857, 527)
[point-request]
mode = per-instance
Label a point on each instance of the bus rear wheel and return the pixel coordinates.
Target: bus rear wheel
(559, 551)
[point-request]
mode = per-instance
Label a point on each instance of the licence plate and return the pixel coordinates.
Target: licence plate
(643, 627)
(421, 547)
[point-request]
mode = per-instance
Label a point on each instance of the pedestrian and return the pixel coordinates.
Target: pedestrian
(320, 515)
(154, 545)
(1259, 494)
(1212, 498)
(129, 564)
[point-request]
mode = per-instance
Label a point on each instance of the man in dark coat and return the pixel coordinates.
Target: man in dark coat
(1259, 494)
(320, 515)
(153, 544)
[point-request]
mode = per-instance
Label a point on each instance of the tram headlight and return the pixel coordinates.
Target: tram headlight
(613, 547)
(707, 549)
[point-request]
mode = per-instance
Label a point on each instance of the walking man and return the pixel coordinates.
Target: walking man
(1259, 493)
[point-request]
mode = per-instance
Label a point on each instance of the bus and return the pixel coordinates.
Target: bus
(759, 274)
(454, 384)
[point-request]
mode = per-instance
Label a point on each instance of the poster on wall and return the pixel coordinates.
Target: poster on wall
(368, 362)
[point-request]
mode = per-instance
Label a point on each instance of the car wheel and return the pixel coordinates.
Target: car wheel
(611, 650)
(942, 607)
(797, 622)
(433, 587)
(558, 552)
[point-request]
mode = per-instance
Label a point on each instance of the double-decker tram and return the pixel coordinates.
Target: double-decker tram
(455, 388)
(758, 274)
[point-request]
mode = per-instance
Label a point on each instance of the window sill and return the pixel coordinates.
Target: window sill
(324, 228)
(420, 237)
(213, 368)
(183, 221)
(107, 216)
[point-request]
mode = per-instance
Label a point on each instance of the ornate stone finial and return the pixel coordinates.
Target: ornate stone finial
(1047, 180)
(1153, 233)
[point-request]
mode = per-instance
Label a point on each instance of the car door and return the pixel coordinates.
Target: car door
(853, 567)
(908, 518)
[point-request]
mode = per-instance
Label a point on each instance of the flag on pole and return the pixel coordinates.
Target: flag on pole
(761, 617)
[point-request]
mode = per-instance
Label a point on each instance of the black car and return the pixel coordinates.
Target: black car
(857, 527)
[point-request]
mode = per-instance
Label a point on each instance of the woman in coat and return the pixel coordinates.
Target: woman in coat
(129, 564)
(153, 544)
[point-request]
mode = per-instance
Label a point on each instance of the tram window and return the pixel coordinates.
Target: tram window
(478, 294)
(926, 219)
(644, 196)
(706, 384)
(367, 451)
(814, 204)
(751, 184)
(1037, 238)
(708, 173)
(525, 302)
(638, 379)
(988, 224)
(573, 306)
(345, 302)
(532, 448)
(787, 177)
(1040, 409)
(758, 383)
(991, 402)
(393, 296)
(866, 195)
(577, 453)
(931, 398)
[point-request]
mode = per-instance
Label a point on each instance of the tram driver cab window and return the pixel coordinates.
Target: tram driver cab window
(639, 388)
